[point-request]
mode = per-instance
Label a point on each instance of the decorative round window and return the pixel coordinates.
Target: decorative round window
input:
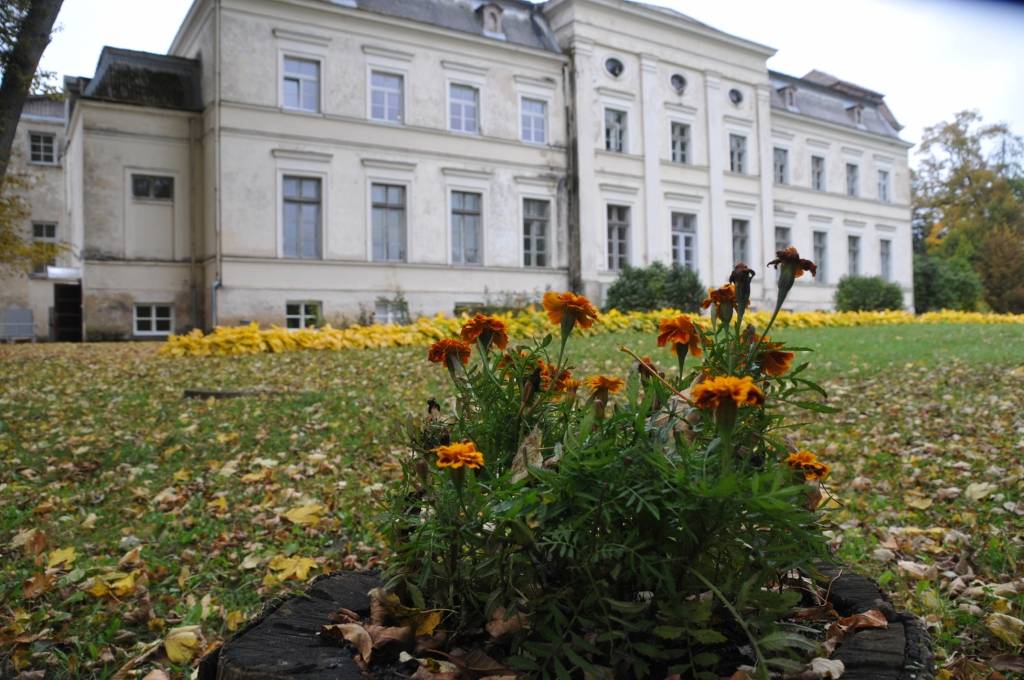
(735, 96)
(678, 83)
(614, 66)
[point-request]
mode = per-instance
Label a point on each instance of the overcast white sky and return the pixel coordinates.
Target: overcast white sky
(930, 58)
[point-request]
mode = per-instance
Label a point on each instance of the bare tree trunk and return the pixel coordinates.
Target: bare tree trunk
(33, 37)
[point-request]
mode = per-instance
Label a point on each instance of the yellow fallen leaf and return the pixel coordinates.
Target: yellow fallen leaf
(182, 475)
(183, 576)
(90, 521)
(234, 620)
(97, 587)
(977, 491)
(207, 605)
(123, 585)
(291, 567)
(183, 643)
(917, 501)
(63, 556)
(218, 505)
(427, 622)
(305, 514)
(1007, 628)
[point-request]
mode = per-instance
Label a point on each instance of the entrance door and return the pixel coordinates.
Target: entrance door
(67, 312)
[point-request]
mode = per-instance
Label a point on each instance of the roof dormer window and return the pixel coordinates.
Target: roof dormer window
(491, 13)
(857, 113)
(789, 96)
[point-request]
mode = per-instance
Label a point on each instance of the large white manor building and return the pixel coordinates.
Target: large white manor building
(295, 159)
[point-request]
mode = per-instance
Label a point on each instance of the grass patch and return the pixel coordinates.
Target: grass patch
(99, 452)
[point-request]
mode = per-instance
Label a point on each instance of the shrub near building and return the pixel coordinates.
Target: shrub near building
(867, 294)
(656, 287)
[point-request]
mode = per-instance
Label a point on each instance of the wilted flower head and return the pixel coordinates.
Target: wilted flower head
(790, 258)
(713, 392)
(772, 358)
(679, 331)
(488, 329)
(807, 463)
(458, 455)
(569, 310)
(740, 278)
(449, 352)
(724, 300)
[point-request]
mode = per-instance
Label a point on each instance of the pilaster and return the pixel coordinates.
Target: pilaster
(720, 232)
(763, 239)
(591, 244)
(654, 224)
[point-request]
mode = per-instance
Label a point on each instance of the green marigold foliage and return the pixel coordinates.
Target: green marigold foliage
(867, 294)
(945, 284)
(626, 526)
(656, 287)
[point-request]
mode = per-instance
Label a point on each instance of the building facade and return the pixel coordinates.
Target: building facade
(294, 161)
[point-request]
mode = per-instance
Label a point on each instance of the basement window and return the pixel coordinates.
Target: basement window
(154, 319)
(153, 187)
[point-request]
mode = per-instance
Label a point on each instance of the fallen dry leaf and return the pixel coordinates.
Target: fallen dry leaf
(352, 633)
(183, 643)
(1007, 628)
(308, 515)
(837, 630)
(62, 557)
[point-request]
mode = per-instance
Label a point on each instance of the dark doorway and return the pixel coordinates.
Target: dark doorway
(67, 312)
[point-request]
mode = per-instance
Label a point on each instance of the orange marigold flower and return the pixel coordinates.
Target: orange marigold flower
(608, 383)
(646, 368)
(448, 352)
(490, 331)
(807, 463)
(548, 379)
(741, 391)
(679, 331)
(720, 296)
(580, 309)
(791, 257)
(773, 360)
(458, 455)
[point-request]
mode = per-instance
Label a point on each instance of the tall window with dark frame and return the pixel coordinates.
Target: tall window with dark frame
(740, 240)
(738, 154)
(883, 186)
(852, 179)
(153, 187)
(618, 237)
(780, 158)
(42, 148)
(466, 223)
(615, 130)
(680, 143)
(301, 87)
(821, 256)
(302, 217)
(818, 173)
(536, 219)
(783, 238)
(885, 258)
(386, 96)
(684, 240)
(388, 222)
(534, 118)
(853, 255)
(464, 108)
(44, 232)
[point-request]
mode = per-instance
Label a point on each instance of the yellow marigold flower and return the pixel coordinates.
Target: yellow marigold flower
(458, 455)
(679, 331)
(741, 391)
(774, 361)
(726, 295)
(790, 257)
(608, 383)
(577, 307)
(449, 351)
(490, 331)
(807, 463)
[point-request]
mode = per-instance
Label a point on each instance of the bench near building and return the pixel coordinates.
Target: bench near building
(297, 160)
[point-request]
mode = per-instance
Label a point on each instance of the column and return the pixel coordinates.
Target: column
(654, 221)
(721, 227)
(591, 219)
(762, 247)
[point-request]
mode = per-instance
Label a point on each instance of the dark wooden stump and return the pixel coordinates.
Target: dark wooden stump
(283, 642)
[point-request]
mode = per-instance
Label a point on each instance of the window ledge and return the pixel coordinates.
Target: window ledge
(302, 112)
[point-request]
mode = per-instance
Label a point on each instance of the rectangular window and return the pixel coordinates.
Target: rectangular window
(684, 240)
(153, 319)
(780, 158)
(302, 217)
(535, 120)
(466, 232)
(42, 148)
(301, 87)
(388, 222)
(740, 240)
(390, 312)
(885, 259)
(153, 187)
(818, 173)
(883, 186)
(44, 232)
(680, 143)
(853, 255)
(821, 256)
(386, 96)
(618, 237)
(783, 238)
(301, 315)
(615, 130)
(463, 109)
(852, 179)
(536, 216)
(738, 154)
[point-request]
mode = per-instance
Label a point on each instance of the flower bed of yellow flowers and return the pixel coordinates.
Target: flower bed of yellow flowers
(251, 339)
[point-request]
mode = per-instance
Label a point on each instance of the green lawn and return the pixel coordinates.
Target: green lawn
(99, 452)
